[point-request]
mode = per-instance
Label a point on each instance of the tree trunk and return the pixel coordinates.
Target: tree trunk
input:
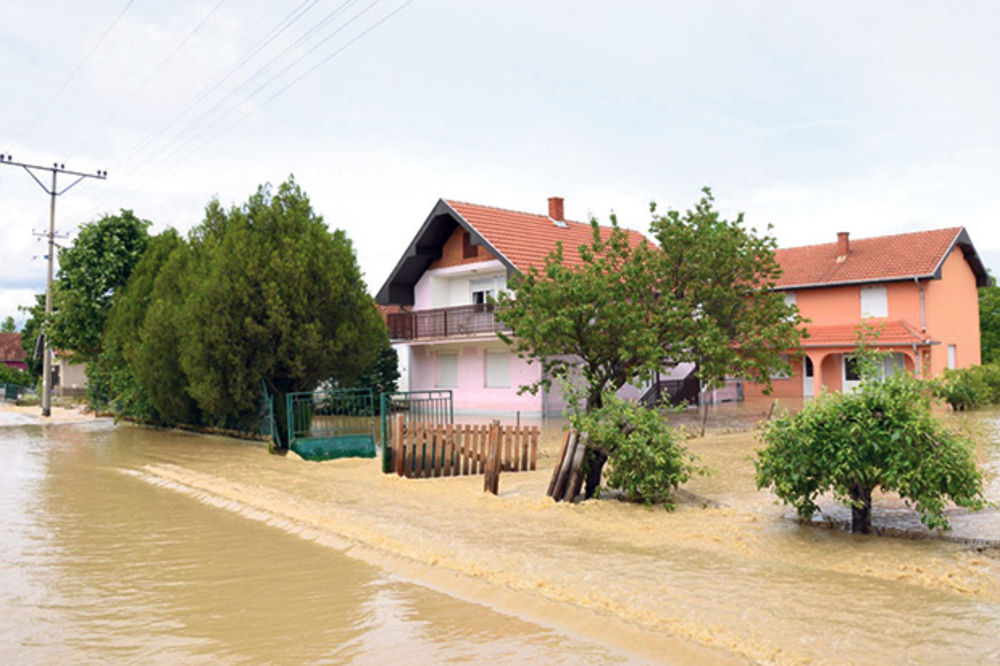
(595, 467)
(861, 516)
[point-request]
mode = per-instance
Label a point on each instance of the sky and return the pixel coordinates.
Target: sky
(870, 118)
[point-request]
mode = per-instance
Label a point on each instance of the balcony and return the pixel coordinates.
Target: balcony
(455, 322)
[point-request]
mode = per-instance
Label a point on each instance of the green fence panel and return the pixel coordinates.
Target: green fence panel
(335, 423)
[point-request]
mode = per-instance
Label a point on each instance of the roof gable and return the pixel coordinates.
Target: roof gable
(906, 256)
(520, 241)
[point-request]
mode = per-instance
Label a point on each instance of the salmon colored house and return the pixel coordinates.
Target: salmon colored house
(437, 305)
(919, 290)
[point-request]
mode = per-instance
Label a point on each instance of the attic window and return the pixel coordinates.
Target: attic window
(469, 251)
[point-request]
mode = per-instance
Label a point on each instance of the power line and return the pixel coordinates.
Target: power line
(128, 98)
(216, 135)
(53, 192)
(69, 78)
(222, 116)
(264, 41)
(164, 157)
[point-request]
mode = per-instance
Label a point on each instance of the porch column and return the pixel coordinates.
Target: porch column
(817, 361)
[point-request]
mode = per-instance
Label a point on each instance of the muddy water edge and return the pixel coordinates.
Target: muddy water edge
(126, 543)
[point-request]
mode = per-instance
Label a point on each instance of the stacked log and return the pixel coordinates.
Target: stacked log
(568, 475)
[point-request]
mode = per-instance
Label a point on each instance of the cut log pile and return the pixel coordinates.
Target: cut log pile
(568, 475)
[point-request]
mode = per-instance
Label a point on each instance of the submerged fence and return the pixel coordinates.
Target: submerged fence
(434, 407)
(426, 450)
(337, 423)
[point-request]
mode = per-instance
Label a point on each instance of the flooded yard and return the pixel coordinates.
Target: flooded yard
(145, 545)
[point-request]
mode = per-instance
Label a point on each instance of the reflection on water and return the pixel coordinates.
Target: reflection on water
(98, 566)
(133, 544)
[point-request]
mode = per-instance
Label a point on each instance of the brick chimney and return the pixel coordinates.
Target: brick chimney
(556, 209)
(843, 245)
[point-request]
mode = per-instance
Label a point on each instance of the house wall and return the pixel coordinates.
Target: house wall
(471, 395)
(450, 286)
(953, 314)
(453, 254)
(72, 378)
(826, 306)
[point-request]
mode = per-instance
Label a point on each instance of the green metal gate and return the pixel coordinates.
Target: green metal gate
(435, 407)
(335, 423)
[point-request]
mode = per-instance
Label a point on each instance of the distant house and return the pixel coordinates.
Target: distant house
(919, 290)
(69, 378)
(437, 302)
(11, 353)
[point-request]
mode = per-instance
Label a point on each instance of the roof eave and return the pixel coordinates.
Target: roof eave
(400, 292)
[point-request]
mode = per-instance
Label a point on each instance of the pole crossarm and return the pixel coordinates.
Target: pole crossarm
(53, 192)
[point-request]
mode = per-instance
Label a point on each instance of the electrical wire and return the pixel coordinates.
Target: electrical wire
(123, 103)
(69, 78)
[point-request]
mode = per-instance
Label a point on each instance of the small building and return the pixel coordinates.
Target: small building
(917, 290)
(69, 378)
(11, 352)
(437, 307)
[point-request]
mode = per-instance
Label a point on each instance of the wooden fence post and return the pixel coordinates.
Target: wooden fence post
(491, 480)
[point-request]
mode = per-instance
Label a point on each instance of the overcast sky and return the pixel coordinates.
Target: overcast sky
(872, 118)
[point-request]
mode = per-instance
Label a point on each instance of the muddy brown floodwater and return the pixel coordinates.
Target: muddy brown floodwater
(120, 543)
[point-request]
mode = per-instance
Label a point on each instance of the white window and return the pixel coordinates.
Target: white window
(790, 298)
(447, 370)
(482, 290)
(874, 302)
(497, 369)
(952, 361)
(780, 374)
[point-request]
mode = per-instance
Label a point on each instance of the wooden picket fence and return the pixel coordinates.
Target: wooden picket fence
(425, 450)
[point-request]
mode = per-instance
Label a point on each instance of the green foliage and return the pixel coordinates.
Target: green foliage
(30, 331)
(382, 375)
(273, 295)
(113, 380)
(8, 326)
(703, 296)
(969, 388)
(91, 270)
(648, 457)
(989, 322)
(720, 275)
(10, 375)
(882, 435)
(258, 292)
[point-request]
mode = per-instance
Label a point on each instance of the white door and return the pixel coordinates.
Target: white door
(807, 378)
(851, 378)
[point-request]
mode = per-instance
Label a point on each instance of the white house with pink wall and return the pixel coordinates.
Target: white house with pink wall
(441, 322)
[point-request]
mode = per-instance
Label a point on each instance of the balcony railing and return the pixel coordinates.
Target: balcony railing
(459, 321)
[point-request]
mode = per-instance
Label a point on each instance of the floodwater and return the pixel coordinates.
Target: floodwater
(126, 544)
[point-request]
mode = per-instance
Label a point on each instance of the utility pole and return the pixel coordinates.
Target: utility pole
(54, 192)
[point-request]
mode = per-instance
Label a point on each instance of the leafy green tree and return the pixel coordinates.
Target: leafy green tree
(989, 322)
(30, 331)
(649, 459)
(8, 326)
(382, 376)
(704, 295)
(114, 379)
(882, 435)
(91, 270)
(16, 376)
(272, 295)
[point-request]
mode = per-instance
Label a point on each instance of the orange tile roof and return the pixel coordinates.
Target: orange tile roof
(900, 256)
(891, 332)
(526, 239)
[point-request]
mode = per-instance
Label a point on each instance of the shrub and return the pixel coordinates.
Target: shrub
(648, 458)
(969, 388)
(883, 435)
(15, 376)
